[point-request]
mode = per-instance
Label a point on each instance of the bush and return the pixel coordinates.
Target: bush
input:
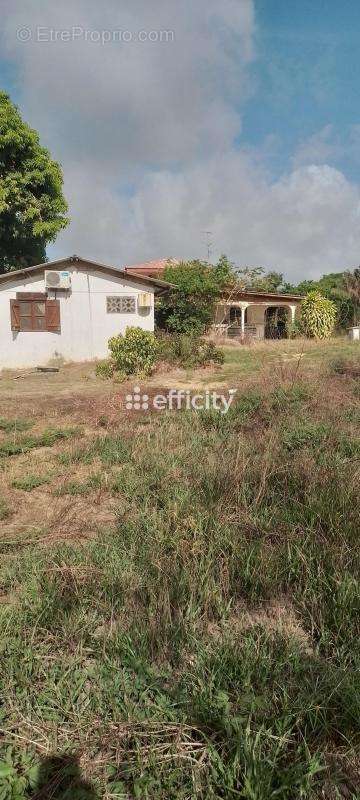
(104, 369)
(189, 306)
(188, 351)
(134, 353)
(318, 316)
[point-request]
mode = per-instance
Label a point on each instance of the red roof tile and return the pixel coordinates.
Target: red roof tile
(152, 268)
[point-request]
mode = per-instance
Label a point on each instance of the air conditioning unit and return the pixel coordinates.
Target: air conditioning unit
(144, 300)
(57, 280)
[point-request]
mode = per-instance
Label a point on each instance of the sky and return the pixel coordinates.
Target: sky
(175, 117)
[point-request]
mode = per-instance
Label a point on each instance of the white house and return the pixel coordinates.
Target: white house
(69, 309)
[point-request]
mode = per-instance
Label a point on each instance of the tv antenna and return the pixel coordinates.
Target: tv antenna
(209, 245)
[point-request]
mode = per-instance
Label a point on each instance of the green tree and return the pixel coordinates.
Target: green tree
(32, 205)
(257, 279)
(189, 306)
(352, 286)
(318, 315)
(334, 286)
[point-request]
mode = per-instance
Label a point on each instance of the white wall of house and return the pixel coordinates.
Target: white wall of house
(85, 324)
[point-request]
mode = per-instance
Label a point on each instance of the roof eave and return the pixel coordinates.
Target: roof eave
(25, 271)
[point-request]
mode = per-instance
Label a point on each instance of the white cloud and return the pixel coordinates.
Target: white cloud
(319, 148)
(146, 132)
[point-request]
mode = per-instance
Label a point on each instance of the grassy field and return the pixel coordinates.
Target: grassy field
(179, 592)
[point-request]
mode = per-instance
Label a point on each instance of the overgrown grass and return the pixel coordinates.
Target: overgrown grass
(23, 444)
(29, 482)
(210, 647)
(4, 510)
(10, 425)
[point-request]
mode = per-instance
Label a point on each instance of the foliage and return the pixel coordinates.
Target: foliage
(340, 287)
(188, 351)
(30, 482)
(134, 353)
(318, 316)
(14, 425)
(15, 446)
(104, 369)
(32, 206)
(189, 308)
(352, 285)
(256, 278)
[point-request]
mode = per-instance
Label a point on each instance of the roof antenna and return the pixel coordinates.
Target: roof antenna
(209, 245)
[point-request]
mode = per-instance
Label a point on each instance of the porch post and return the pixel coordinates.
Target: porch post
(293, 312)
(243, 307)
(242, 321)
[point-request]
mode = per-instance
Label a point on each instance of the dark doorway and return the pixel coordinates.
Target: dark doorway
(276, 322)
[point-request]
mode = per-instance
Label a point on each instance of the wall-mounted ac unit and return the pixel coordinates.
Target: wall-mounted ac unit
(57, 279)
(144, 300)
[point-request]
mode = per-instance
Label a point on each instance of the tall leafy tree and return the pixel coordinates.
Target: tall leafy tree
(340, 288)
(189, 306)
(32, 206)
(352, 285)
(257, 279)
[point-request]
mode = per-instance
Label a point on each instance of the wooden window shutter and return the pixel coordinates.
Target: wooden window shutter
(52, 314)
(15, 315)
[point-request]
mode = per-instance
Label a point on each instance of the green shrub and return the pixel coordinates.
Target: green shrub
(134, 353)
(188, 351)
(104, 369)
(196, 286)
(318, 316)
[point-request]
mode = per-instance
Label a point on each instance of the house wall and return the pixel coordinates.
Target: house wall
(85, 324)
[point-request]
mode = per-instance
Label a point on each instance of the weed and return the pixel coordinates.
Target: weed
(73, 488)
(109, 449)
(307, 434)
(30, 482)
(46, 439)
(10, 425)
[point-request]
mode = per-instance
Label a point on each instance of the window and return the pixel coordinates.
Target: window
(32, 315)
(33, 311)
(120, 305)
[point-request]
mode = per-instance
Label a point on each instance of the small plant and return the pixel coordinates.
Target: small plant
(188, 351)
(46, 439)
(94, 482)
(10, 425)
(306, 435)
(134, 353)
(104, 369)
(30, 482)
(318, 316)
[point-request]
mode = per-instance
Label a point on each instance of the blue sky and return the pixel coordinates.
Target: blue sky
(246, 124)
(306, 76)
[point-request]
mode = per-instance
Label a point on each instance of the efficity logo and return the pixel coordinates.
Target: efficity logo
(180, 399)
